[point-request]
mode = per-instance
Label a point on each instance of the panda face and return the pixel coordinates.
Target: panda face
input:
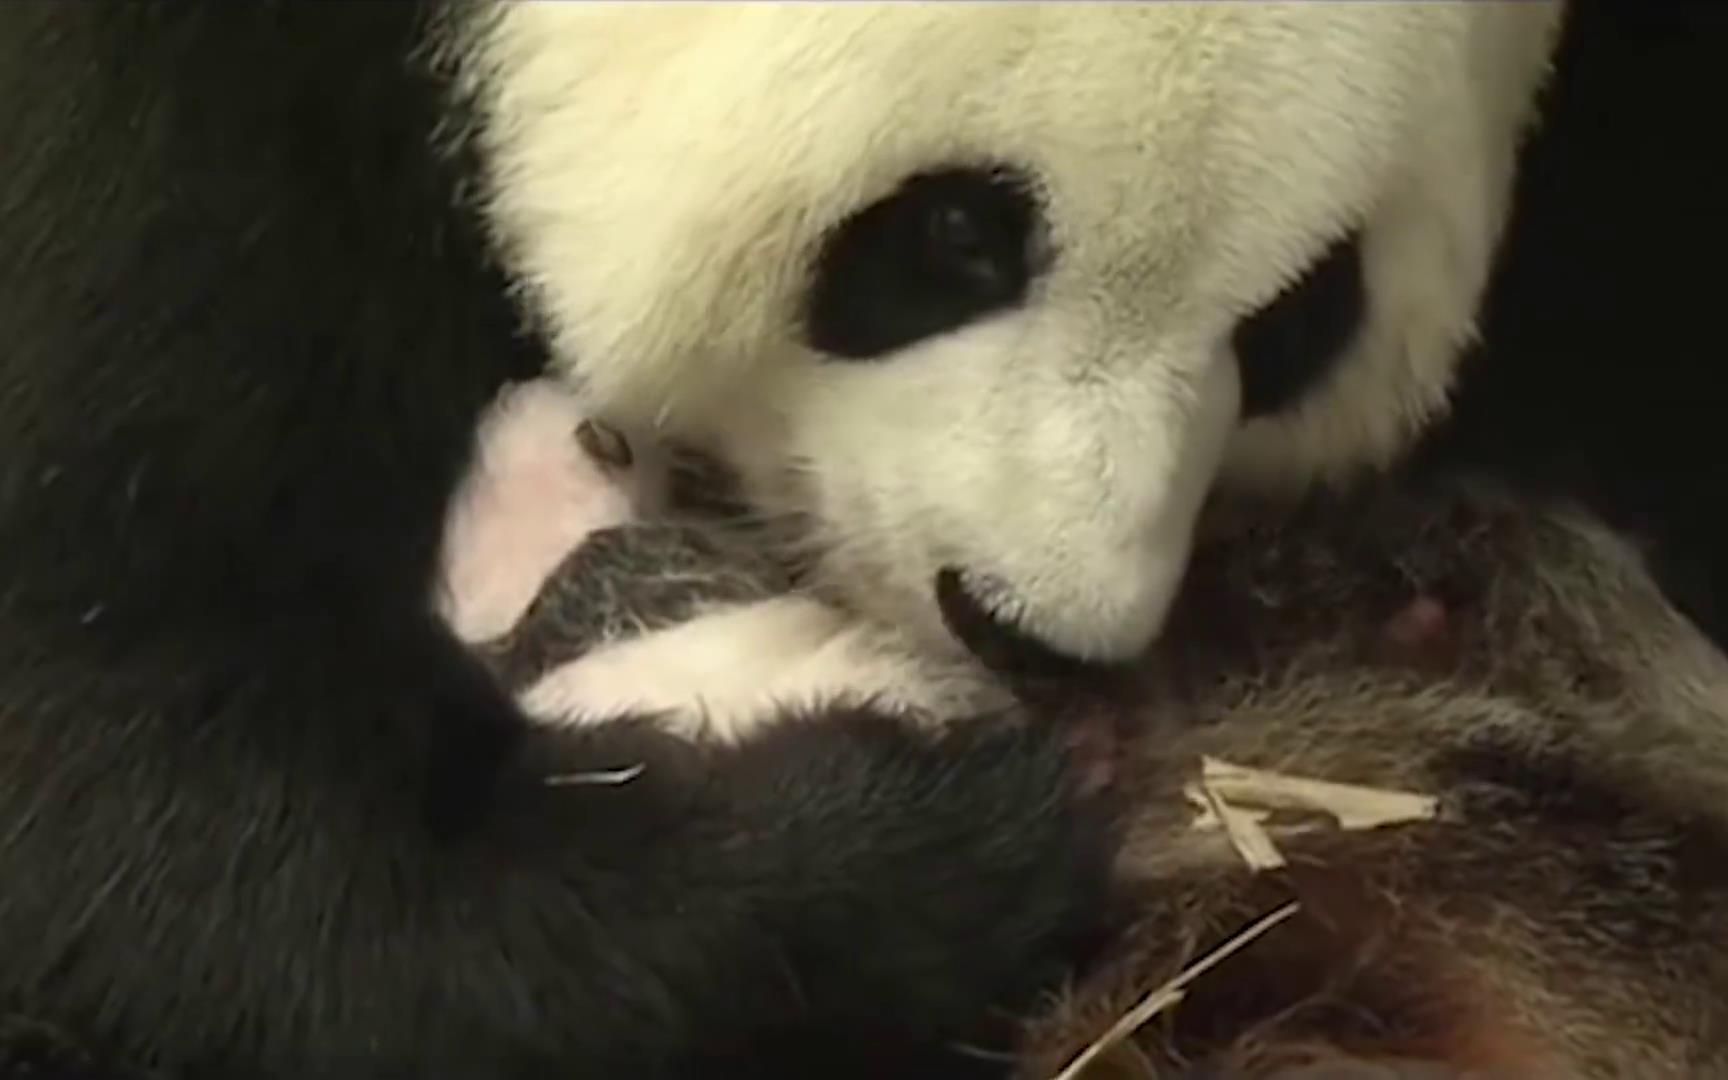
(1004, 290)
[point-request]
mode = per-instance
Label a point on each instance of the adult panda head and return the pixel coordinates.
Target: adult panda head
(993, 294)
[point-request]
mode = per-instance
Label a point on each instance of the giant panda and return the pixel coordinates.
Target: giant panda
(984, 297)
(995, 294)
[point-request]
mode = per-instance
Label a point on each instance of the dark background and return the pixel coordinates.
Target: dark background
(1603, 372)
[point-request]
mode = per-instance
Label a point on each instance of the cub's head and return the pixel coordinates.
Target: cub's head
(1002, 289)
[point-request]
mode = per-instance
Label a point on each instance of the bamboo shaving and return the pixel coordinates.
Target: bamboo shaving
(1171, 992)
(1256, 793)
(1239, 800)
(1243, 829)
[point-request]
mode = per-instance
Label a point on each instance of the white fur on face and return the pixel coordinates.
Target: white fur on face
(664, 174)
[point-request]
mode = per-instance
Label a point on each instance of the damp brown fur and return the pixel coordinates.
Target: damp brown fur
(1565, 916)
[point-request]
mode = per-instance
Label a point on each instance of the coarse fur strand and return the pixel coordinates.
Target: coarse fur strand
(264, 817)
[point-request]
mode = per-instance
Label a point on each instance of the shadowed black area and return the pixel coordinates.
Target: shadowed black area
(1601, 372)
(1293, 343)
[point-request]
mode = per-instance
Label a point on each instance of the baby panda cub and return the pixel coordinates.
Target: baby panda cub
(559, 559)
(1562, 912)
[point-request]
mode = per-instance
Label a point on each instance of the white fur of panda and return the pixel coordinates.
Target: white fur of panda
(1108, 192)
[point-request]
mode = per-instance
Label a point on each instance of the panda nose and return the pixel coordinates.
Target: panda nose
(1000, 643)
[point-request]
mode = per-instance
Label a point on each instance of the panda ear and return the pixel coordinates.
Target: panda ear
(1291, 344)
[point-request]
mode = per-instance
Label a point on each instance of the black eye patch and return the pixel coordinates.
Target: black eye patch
(944, 250)
(1291, 344)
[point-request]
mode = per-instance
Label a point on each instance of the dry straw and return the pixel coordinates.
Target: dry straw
(1239, 800)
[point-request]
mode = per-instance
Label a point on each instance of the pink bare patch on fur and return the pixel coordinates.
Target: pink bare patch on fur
(1422, 624)
(531, 498)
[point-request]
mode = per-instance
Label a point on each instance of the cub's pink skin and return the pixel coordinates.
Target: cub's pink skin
(534, 494)
(1422, 634)
(1422, 622)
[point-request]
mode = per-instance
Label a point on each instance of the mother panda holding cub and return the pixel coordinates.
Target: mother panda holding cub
(987, 298)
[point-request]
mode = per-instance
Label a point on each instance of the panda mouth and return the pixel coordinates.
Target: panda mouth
(705, 486)
(999, 642)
